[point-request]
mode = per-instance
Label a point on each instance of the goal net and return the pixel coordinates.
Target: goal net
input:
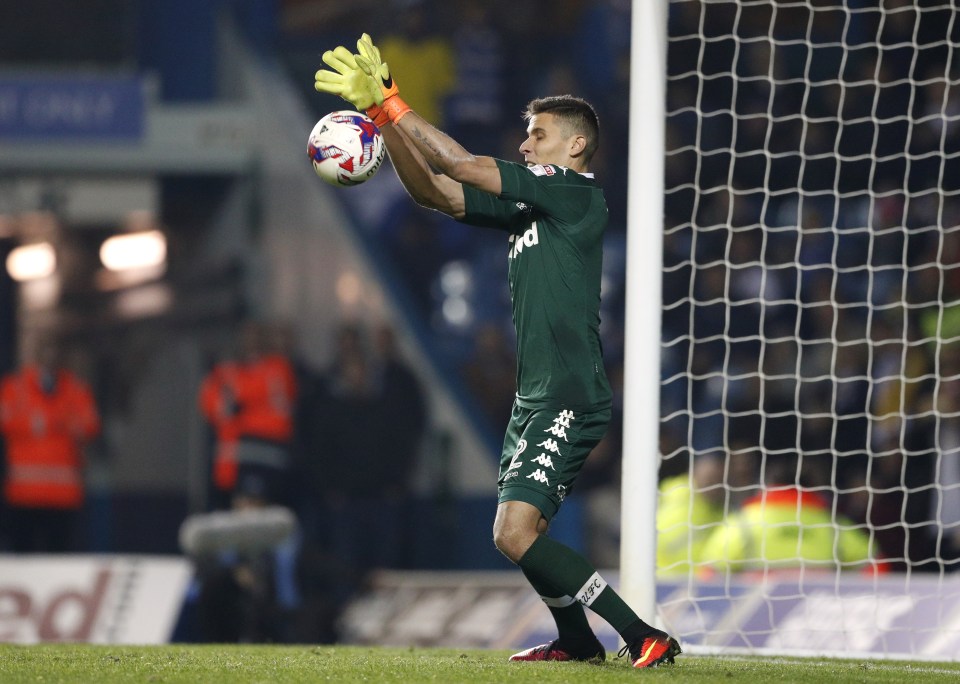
(810, 342)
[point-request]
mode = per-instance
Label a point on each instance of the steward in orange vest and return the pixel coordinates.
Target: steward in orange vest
(251, 403)
(218, 405)
(47, 415)
(266, 396)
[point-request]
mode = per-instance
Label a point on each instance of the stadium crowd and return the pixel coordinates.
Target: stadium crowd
(813, 184)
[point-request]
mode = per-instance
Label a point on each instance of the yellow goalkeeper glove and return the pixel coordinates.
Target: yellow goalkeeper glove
(348, 80)
(369, 61)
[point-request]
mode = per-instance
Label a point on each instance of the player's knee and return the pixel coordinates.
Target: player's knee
(512, 540)
(505, 544)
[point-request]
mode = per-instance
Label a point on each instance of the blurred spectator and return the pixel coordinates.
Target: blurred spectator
(421, 59)
(403, 412)
(787, 526)
(47, 416)
(897, 374)
(892, 496)
(403, 405)
(251, 402)
(266, 398)
(690, 507)
(345, 450)
(219, 406)
(281, 341)
(475, 107)
(369, 425)
(292, 591)
(249, 593)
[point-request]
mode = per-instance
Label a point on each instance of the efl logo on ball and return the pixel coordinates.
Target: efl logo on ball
(345, 148)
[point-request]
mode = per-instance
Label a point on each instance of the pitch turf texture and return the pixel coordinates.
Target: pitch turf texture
(212, 664)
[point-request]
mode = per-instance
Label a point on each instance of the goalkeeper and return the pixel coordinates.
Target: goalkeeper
(554, 215)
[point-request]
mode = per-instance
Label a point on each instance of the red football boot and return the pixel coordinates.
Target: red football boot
(652, 650)
(552, 651)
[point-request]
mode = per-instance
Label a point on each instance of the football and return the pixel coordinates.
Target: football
(345, 148)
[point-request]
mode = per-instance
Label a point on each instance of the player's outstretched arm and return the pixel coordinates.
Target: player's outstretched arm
(366, 92)
(438, 149)
(428, 189)
(448, 156)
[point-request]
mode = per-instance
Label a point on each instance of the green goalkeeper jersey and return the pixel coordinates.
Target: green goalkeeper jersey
(555, 218)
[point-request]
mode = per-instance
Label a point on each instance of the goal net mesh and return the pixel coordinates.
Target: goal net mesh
(810, 395)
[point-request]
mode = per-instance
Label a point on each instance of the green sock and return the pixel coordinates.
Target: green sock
(573, 629)
(555, 565)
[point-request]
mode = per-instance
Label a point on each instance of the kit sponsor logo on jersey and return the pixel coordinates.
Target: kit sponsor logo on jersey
(529, 238)
(540, 170)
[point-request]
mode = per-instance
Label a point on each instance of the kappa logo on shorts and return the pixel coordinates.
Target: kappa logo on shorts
(545, 461)
(560, 424)
(550, 445)
(558, 430)
(539, 476)
(561, 492)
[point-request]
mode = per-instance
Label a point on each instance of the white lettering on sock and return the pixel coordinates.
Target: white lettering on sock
(591, 589)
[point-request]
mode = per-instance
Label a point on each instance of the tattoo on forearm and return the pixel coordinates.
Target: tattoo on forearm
(429, 144)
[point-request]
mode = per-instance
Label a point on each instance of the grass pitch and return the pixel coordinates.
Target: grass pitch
(212, 664)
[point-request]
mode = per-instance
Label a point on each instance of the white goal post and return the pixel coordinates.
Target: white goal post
(792, 364)
(641, 373)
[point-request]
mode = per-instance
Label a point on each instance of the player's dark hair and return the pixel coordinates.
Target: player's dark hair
(573, 112)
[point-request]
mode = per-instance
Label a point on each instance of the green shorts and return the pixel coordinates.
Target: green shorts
(543, 452)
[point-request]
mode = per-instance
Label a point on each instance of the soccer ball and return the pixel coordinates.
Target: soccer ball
(345, 148)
